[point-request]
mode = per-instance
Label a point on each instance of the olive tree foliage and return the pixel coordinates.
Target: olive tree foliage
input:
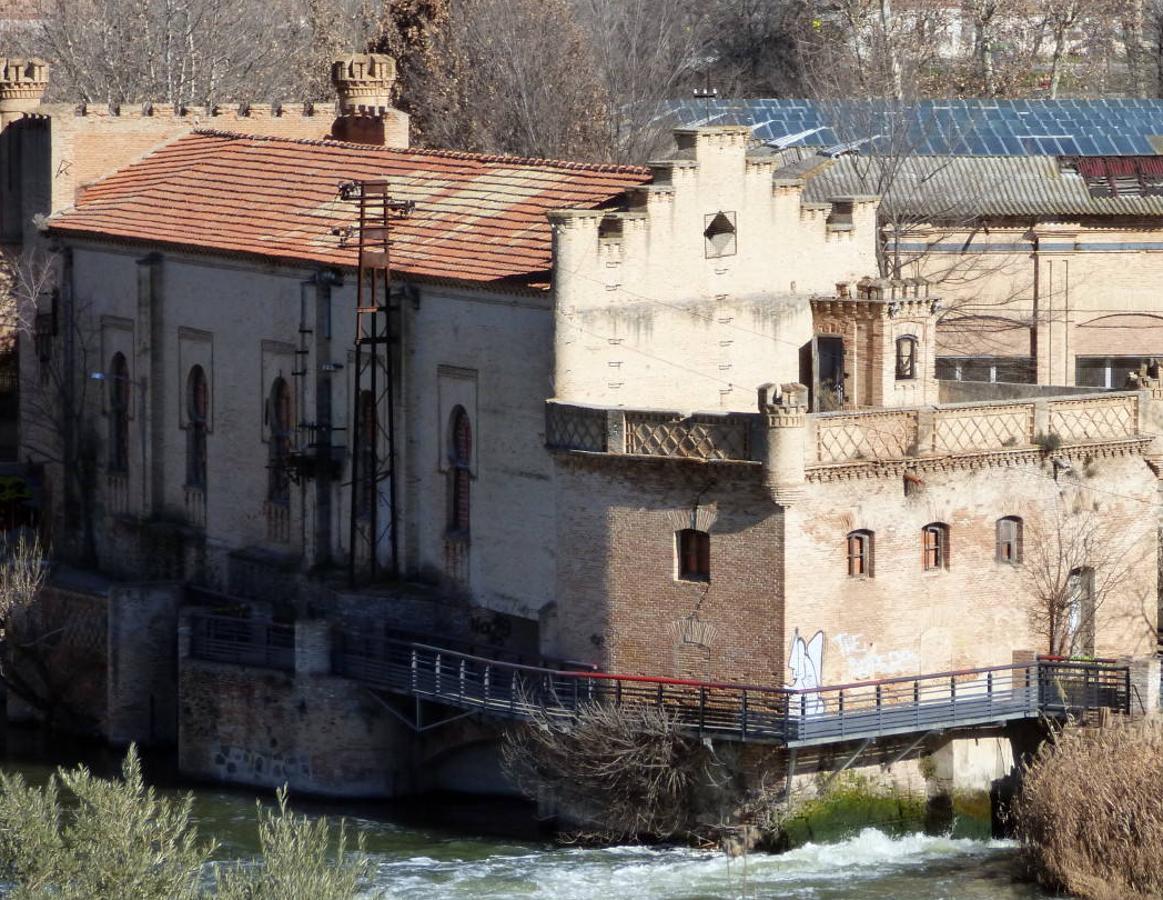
(81, 837)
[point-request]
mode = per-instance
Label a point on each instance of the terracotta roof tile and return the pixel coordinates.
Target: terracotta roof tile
(478, 218)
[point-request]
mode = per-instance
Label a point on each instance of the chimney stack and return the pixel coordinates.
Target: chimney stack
(22, 85)
(363, 83)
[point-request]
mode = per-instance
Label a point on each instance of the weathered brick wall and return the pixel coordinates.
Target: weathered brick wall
(619, 603)
(778, 574)
(68, 663)
(318, 734)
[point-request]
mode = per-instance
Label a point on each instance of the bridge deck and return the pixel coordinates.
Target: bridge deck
(829, 714)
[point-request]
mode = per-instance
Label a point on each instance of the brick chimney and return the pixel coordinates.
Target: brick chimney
(363, 85)
(22, 85)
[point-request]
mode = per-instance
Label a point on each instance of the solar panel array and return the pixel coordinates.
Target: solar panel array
(959, 127)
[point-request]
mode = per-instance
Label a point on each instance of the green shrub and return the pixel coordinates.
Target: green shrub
(111, 839)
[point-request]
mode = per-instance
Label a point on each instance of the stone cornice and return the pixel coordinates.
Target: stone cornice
(895, 468)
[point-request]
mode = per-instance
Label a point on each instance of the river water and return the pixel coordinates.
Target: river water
(488, 850)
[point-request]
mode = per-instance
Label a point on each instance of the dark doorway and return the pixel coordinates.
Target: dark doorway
(822, 370)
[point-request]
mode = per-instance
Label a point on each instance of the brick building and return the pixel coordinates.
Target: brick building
(714, 535)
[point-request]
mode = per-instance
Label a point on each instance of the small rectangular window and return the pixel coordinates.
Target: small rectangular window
(1009, 540)
(935, 551)
(860, 554)
(694, 555)
(906, 358)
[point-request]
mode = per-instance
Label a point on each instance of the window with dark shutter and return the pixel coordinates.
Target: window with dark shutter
(1009, 540)
(906, 358)
(935, 546)
(459, 473)
(197, 411)
(694, 555)
(860, 554)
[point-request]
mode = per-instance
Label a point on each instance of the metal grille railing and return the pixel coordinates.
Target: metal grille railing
(245, 642)
(829, 714)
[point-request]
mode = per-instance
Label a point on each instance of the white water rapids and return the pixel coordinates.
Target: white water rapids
(869, 865)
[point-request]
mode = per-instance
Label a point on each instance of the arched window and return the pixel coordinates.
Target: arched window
(279, 415)
(119, 385)
(197, 413)
(459, 472)
(694, 555)
(906, 358)
(860, 554)
(367, 425)
(1009, 540)
(935, 546)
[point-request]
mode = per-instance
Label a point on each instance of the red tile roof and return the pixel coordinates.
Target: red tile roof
(478, 218)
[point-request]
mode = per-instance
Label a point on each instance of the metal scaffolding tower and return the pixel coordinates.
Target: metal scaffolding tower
(372, 425)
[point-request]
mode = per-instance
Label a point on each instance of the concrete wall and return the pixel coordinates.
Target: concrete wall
(651, 315)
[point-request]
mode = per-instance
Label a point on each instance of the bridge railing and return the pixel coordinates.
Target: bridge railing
(520, 691)
(830, 713)
(242, 641)
(810, 716)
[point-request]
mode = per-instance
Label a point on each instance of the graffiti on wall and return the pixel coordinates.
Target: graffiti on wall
(862, 662)
(807, 668)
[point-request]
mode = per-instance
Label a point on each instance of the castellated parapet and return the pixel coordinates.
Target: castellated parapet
(363, 82)
(22, 85)
(697, 289)
(784, 415)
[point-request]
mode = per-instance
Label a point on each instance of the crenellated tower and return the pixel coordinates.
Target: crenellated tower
(22, 86)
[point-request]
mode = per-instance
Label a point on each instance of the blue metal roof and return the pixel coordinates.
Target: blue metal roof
(954, 127)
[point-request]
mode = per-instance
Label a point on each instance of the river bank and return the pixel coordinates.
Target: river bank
(447, 848)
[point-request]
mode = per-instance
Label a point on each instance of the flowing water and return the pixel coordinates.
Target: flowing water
(491, 850)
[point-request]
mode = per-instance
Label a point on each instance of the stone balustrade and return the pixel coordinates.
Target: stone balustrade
(846, 438)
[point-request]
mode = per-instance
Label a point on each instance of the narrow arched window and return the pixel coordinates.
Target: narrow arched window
(367, 475)
(935, 546)
(119, 385)
(694, 555)
(459, 472)
(197, 415)
(906, 358)
(279, 416)
(1009, 540)
(860, 554)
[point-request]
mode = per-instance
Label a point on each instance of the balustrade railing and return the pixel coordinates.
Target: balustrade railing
(822, 715)
(827, 714)
(247, 642)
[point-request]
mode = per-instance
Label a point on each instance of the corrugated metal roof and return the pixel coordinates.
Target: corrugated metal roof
(478, 218)
(961, 187)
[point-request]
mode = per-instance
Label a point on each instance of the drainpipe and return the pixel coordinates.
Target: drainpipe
(1036, 331)
(323, 280)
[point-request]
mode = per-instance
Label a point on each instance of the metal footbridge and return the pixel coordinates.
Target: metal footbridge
(509, 689)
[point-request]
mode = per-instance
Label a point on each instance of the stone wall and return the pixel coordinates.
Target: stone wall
(143, 679)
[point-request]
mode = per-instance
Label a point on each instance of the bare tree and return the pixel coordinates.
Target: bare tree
(173, 51)
(56, 423)
(645, 53)
(1074, 560)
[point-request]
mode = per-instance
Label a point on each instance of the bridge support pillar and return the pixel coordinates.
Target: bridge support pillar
(312, 647)
(1145, 671)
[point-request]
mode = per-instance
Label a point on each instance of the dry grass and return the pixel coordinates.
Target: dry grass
(1090, 816)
